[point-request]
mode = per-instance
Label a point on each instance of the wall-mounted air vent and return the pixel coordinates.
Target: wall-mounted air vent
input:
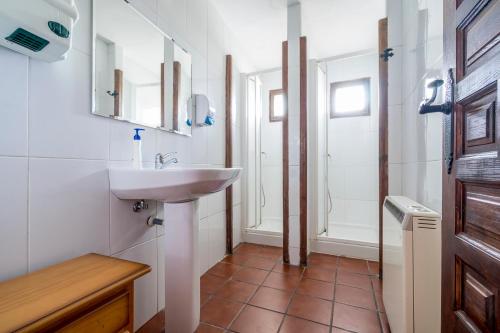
(27, 39)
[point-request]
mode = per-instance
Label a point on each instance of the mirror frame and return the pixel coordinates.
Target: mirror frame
(93, 95)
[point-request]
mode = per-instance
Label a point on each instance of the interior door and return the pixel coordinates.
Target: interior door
(471, 187)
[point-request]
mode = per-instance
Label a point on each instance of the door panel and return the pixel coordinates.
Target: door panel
(471, 193)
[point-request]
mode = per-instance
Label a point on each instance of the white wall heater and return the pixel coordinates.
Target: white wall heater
(411, 266)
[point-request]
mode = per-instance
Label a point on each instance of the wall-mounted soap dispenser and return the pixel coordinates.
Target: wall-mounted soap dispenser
(204, 114)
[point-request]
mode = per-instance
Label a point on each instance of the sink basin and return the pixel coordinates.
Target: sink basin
(170, 185)
(178, 189)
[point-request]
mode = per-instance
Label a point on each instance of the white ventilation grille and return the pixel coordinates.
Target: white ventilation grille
(426, 223)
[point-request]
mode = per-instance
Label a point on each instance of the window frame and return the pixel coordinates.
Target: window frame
(365, 82)
(272, 94)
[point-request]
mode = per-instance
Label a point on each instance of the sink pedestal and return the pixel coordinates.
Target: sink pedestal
(182, 268)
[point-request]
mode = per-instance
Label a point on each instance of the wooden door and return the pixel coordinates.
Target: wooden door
(471, 192)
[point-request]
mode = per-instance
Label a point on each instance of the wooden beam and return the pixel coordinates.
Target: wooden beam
(229, 153)
(383, 117)
(303, 151)
(118, 92)
(176, 90)
(162, 94)
(286, 230)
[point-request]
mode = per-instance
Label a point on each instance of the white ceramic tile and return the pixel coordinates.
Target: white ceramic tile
(216, 202)
(237, 194)
(410, 180)
(146, 287)
(14, 219)
(362, 212)
(395, 134)
(68, 209)
(121, 147)
(199, 145)
(161, 273)
(13, 103)
(60, 122)
(174, 14)
(338, 213)
(394, 15)
(294, 231)
(432, 186)
(215, 28)
(395, 187)
(160, 229)
(395, 77)
(82, 38)
(294, 190)
(197, 24)
(294, 141)
(362, 182)
(204, 245)
(129, 228)
(217, 237)
(203, 207)
(236, 225)
(336, 181)
(148, 8)
(434, 137)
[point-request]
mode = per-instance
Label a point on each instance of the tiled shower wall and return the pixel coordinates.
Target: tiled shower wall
(54, 155)
(415, 141)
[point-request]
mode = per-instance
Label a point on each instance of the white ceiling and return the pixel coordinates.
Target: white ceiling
(333, 27)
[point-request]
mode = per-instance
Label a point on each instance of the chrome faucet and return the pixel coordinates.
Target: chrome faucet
(164, 160)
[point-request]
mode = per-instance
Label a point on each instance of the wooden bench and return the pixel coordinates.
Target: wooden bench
(91, 293)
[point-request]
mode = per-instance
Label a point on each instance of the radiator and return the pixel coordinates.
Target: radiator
(411, 266)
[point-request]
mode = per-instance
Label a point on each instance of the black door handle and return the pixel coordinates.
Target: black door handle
(426, 105)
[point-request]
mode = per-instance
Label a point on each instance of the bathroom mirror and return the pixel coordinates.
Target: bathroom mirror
(140, 75)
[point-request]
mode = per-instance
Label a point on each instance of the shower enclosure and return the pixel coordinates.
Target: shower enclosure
(264, 153)
(347, 151)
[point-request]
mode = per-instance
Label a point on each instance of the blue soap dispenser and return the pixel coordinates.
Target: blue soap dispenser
(137, 158)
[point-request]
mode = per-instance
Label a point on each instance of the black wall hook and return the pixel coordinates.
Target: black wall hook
(426, 105)
(387, 54)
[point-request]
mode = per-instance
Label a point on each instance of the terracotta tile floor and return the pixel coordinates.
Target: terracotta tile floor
(253, 291)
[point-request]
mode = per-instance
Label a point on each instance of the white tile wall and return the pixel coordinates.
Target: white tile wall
(14, 218)
(54, 155)
(353, 150)
(415, 32)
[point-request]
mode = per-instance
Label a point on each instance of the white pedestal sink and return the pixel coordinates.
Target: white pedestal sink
(183, 187)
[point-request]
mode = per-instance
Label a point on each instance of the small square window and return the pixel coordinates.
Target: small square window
(350, 98)
(276, 105)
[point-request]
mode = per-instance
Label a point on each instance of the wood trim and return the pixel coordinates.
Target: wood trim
(383, 150)
(229, 153)
(176, 90)
(286, 204)
(303, 150)
(118, 92)
(272, 94)
(162, 94)
(365, 82)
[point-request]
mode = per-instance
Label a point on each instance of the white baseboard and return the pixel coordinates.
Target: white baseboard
(343, 248)
(262, 237)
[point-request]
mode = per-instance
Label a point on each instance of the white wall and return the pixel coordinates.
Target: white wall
(353, 165)
(54, 155)
(415, 141)
(271, 142)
